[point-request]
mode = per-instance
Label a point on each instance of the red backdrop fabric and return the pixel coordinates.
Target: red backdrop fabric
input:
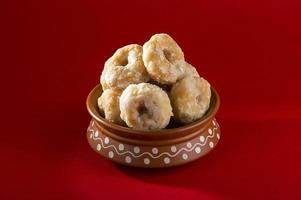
(52, 54)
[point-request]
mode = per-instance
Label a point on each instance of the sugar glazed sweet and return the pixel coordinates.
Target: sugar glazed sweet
(149, 87)
(145, 106)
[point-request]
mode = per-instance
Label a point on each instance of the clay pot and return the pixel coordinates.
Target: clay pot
(152, 149)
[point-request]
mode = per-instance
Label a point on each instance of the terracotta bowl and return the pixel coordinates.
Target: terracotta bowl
(152, 149)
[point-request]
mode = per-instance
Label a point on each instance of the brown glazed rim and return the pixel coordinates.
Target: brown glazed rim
(178, 134)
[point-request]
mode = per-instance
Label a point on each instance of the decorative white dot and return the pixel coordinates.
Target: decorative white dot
(111, 154)
(166, 160)
(91, 135)
(189, 145)
(210, 131)
(173, 149)
(211, 144)
(202, 138)
(121, 147)
(96, 134)
(146, 161)
(155, 150)
(214, 123)
(185, 156)
(98, 147)
(128, 159)
(107, 140)
(218, 136)
(197, 150)
(136, 149)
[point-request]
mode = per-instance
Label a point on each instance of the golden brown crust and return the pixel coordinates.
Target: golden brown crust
(123, 68)
(163, 59)
(108, 104)
(190, 99)
(190, 70)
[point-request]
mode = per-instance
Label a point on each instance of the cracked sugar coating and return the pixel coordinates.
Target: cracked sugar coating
(123, 68)
(145, 106)
(163, 59)
(108, 104)
(190, 99)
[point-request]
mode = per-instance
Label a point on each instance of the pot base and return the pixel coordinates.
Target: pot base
(153, 156)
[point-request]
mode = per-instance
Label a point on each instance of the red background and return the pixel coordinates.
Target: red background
(52, 56)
